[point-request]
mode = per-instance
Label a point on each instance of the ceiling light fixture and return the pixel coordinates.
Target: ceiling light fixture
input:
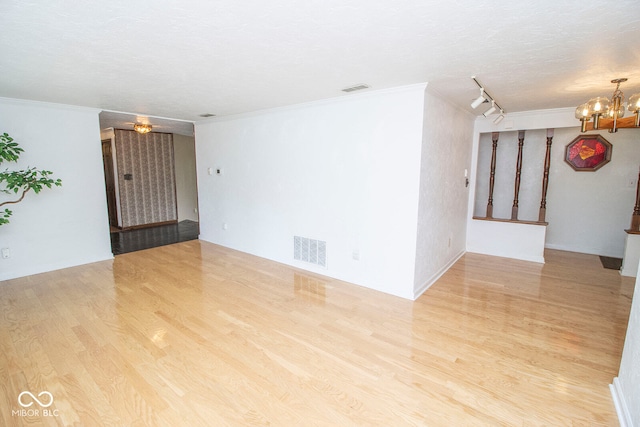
(142, 128)
(612, 110)
(491, 110)
(485, 97)
(479, 100)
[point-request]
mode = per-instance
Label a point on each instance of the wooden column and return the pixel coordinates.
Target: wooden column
(492, 176)
(545, 179)
(635, 218)
(516, 190)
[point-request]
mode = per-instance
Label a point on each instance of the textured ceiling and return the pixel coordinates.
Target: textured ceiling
(180, 59)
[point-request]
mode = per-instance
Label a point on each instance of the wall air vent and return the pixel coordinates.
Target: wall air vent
(310, 250)
(355, 87)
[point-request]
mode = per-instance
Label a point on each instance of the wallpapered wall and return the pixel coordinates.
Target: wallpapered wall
(149, 196)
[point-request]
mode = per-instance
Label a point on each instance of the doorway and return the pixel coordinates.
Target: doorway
(142, 235)
(110, 183)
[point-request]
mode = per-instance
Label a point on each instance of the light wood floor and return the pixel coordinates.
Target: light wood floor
(197, 335)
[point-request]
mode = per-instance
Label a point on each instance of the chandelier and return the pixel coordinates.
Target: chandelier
(611, 111)
(142, 128)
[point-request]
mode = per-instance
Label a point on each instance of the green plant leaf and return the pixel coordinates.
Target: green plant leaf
(9, 150)
(20, 181)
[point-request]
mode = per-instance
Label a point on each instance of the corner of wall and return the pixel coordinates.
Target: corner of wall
(622, 409)
(625, 389)
(445, 156)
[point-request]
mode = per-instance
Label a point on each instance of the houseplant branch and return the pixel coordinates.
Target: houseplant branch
(21, 181)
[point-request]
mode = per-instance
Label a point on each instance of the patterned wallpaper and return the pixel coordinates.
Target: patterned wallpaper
(146, 177)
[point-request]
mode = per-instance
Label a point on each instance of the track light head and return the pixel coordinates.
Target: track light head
(491, 110)
(485, 97)
(479, 100)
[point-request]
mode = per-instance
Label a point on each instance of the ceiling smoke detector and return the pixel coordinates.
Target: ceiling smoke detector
(356, 87)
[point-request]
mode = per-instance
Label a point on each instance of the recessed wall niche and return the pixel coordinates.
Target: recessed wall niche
(529, 194)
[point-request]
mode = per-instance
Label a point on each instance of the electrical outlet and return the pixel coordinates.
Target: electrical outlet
(6, 253)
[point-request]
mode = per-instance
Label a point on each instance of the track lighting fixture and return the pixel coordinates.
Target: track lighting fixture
(484, 97)
(479, 100)
(491, 110)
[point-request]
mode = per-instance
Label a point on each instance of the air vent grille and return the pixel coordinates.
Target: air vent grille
(310, 250)
(355, 87)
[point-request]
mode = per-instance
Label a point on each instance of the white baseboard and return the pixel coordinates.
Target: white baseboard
(621, 405)
(436, 276)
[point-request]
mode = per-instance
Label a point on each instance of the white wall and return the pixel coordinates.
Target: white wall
(64, 226)
(186, 189)
(587, 211)
(442, 213)
(626, 386)
(344, 170)
(507, 239)
(631, 255)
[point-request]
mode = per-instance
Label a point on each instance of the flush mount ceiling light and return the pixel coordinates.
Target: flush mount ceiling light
(609, 110)
(142, 128)
(485, 97)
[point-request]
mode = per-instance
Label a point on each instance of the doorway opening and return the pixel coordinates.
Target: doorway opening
(150, 182)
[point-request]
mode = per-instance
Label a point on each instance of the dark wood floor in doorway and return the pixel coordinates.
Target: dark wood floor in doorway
(145, 238)
(611, 263)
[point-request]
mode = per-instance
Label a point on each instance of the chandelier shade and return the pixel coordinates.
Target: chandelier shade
(610, 110)
(634, 106)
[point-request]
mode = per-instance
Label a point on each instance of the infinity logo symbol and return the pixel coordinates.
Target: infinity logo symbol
(26, 405)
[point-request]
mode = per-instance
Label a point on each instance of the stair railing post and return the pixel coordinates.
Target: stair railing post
(635, 218)
(516, 190)
(492, 176)
(545, 178)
